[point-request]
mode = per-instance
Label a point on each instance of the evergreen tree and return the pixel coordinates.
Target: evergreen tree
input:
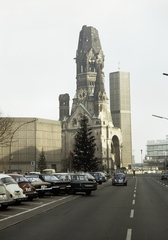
(42, 162)
(83, 158)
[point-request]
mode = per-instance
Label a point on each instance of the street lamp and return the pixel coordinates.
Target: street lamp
(10, 145)
(141, 160)
(166, 74)
(165, 160)
(159, 117)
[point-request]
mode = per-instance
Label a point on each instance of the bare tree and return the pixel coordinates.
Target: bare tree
(6, 131)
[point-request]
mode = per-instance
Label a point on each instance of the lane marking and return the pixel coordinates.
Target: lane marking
(133, 202)
(134, 195)
(132, 213)
(30, 210)
(129, 233)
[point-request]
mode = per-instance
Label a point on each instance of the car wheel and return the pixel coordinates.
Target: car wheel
(30, 198)
(125, 184)
(41, 195)
(72, 191)
(56, 193)
(18, 202)
(4, 207)
(88, 193)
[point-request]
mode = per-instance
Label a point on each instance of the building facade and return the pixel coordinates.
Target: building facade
(157, 153)
(120, 107)
(91, 99)
(29, 137)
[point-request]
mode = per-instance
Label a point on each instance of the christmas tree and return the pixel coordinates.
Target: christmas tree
(83, 155)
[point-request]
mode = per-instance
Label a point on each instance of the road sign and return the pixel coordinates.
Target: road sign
(32, 163)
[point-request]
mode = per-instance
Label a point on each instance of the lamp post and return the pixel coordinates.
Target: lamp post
(121, 162)
(141, 160)
(165, 161)
(159, 117)
(11, 139)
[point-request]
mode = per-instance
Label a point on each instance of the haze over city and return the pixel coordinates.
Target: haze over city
(38, 44)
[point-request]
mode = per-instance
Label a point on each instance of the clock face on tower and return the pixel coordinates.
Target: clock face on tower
(82, 94)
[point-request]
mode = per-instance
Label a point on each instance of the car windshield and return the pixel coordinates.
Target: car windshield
(50, 178)
(89, 175)
(65, 177)
(78, 177)
(119, 175)
(8, 180)
(58, 175)
(20, 179)
(34, 179)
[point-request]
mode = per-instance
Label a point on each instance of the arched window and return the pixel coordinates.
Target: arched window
(74, 122)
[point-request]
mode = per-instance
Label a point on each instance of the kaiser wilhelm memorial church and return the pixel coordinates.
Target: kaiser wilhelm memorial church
(110, 120)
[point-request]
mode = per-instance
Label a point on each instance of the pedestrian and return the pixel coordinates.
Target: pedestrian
(133, 173)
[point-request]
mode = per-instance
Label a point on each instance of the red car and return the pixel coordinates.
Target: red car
(24, 183)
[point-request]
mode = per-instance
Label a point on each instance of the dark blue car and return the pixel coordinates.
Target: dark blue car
(119, 179)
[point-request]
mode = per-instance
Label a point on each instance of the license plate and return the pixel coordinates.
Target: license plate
(89, 185)
(120, 181)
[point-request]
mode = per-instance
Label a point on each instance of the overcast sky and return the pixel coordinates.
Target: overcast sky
(38, 43)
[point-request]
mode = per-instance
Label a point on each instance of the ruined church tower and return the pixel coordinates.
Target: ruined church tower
(91, 99)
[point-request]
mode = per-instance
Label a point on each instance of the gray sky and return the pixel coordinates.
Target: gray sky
(38, 43)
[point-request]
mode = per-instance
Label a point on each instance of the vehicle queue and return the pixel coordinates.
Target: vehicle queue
(16, 188)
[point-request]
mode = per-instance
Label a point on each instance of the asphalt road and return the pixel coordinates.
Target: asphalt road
(137, 211)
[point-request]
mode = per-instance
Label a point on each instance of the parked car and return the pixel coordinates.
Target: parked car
(102, 176)
(80, 183)
(108, 175)
(57, 185)
(63, 176)
(5, 198)
(164, 175)
(15, 192)
(48, 171)
(90, 177)
(34, 173)
(119, 179)
(97, 177)
(23, 183)
(41, 187)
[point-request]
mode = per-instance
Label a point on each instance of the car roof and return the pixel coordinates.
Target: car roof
(15, 175)
(32, 176)
(2, 175)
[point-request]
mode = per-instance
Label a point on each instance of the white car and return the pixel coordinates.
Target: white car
(13, 189)
(5, 199)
